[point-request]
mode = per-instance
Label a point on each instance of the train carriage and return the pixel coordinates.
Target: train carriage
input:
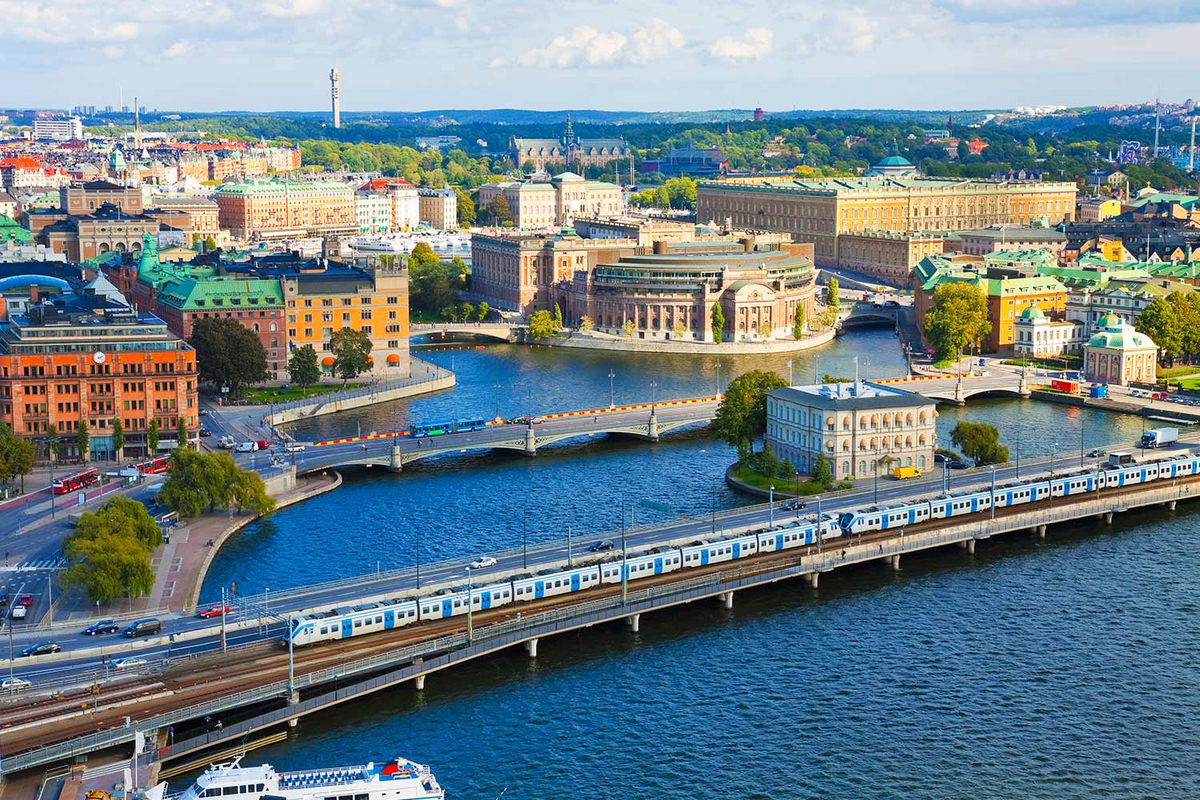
(642, 566)
(334, 627)
(716, 551)
(539, 586)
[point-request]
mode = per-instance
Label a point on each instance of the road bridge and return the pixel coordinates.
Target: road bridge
(497, 331)
(867, 315)
(253, 689)
(959, 388)
(393, 450)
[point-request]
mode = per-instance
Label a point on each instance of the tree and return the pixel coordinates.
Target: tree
(979, 442)
(303, 369)
(484, 310)
(207, 481)
(109, 550)
(16, 455)
(543, 326)
(1159, 321)
(423, 255)
(434, 284)
(181, 435)
(680, 329)
(83, 440)
(629, 329)
(466, 208)
(742, 415)
(152, 438)
(228, 355)
(718, 323)
(467, 311)
(765, 330)
(832, 299)
(822, 473)
(558, 317)
(52, 440)
(118, 438)
(958, 319)
(586, 323)
(210, 244)
(499, 212)
(351, 351)
(798, 325)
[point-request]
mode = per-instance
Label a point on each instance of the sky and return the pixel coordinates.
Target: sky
(407, 55)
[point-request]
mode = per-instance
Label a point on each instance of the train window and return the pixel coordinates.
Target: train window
(358, 623)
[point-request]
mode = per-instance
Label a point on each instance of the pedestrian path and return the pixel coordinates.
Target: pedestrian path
(43, 563)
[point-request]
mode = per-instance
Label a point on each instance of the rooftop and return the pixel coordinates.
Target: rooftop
(850, 396)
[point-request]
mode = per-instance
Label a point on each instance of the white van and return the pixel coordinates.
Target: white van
(247, 447)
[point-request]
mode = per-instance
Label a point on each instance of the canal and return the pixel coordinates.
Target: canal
(1059, 669)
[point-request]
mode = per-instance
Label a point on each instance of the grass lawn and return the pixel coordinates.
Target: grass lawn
(261, 395)
(1187, 383)
(945, 363)
(1175, 372)
(1047, 363)
(783, 488)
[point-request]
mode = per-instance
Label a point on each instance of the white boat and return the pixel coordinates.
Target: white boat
(398, 779)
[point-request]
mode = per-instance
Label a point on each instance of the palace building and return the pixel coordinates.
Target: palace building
(569, 151)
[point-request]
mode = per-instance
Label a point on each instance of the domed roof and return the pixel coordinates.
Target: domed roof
(1109, 321)
(1032, 312)
(894, 161)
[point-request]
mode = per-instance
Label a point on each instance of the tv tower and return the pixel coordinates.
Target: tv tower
(334, 77)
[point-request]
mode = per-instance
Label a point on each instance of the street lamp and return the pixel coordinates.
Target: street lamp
(497, 388)
(993, 502)
(718, 379)
(417, 546)
(653, 396)
(612, 389)
(771, 508)
(524, 542)
(470, 603)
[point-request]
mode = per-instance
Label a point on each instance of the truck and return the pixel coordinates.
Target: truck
(904, 473)
(1160, 436)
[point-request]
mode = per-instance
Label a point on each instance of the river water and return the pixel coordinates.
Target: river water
(1056, 669)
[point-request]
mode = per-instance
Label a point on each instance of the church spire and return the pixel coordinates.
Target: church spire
(569, 133)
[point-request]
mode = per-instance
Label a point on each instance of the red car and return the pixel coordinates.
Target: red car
(213, 611)
(263, 444)
(25, 600)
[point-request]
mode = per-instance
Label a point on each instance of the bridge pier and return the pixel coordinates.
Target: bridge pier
(531, 648)
(397, 462)
(420, 681)
(893, 563)
(813, 578)
(969, 546)
(293, 700)
(530, 442)
(652, 429)
(1041, 531)
(726, 598)
(1108, 517)
(634, 622)
(1170, 505)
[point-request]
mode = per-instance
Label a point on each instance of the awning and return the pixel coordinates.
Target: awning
(393, 359)
(327, 361)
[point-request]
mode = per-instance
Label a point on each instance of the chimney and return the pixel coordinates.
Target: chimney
(747, 244)
(660, 247)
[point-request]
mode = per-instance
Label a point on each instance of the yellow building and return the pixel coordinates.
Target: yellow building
(822, 211)
(323, 298)
(888, 255)
(1097, 209)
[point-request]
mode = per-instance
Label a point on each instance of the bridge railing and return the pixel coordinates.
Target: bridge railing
(434, 373)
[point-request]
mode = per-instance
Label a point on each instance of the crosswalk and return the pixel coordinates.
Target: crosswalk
(44, 563)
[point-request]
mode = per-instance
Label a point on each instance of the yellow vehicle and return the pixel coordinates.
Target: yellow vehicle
(904, 473)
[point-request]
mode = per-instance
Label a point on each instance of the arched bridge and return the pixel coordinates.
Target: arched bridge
(394, 450)
(500, 331)
(865, 314)
(960, 388)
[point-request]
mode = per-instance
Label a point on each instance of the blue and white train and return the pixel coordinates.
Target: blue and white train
(344, 623)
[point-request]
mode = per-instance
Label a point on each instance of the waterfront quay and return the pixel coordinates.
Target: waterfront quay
(259, 686)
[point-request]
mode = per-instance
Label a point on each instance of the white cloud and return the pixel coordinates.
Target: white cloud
(587, 46)
(290, 8)
(179, 48)
(752, 46)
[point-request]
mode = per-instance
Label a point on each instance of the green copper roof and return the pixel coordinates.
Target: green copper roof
(12, 232)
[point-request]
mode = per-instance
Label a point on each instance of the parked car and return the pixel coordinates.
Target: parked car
(940, 458)
(102, 627)
(42, 649)
(14, 684)
(601, 546)
(129, 662)
(956, 464)
(484, 562)
(214, 611)
(205, 433)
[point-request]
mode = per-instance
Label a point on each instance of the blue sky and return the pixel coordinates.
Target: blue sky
(619, 54)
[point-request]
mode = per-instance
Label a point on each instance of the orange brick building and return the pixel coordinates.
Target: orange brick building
(86, 357)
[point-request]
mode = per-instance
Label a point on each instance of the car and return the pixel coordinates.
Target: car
(601, 546)
(484, 562)
(956, 464)
(144, 627)
(14, 684)
(795, 505)
(102, 627)
(19, 612)
(205, 433)
(293, 448)
(213, 611)
(204, 412)
(129, 662)
(25, 600)
(263, 444)
(4, 598)
(1096, 452)
(941, 458)
(42, 649)
(247, 447)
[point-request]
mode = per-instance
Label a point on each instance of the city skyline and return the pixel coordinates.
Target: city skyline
(807, 55)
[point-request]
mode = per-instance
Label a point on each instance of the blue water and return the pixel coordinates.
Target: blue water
(1052, 670)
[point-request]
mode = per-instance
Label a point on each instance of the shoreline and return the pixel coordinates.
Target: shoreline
(608, 342)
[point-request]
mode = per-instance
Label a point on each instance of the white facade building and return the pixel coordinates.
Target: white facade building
(61, 129)
(406, 207)
(374, 212)
(862, 429)
(1037, 336)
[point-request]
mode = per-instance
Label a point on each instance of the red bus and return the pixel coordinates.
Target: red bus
(153, 466)
(78, 481)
